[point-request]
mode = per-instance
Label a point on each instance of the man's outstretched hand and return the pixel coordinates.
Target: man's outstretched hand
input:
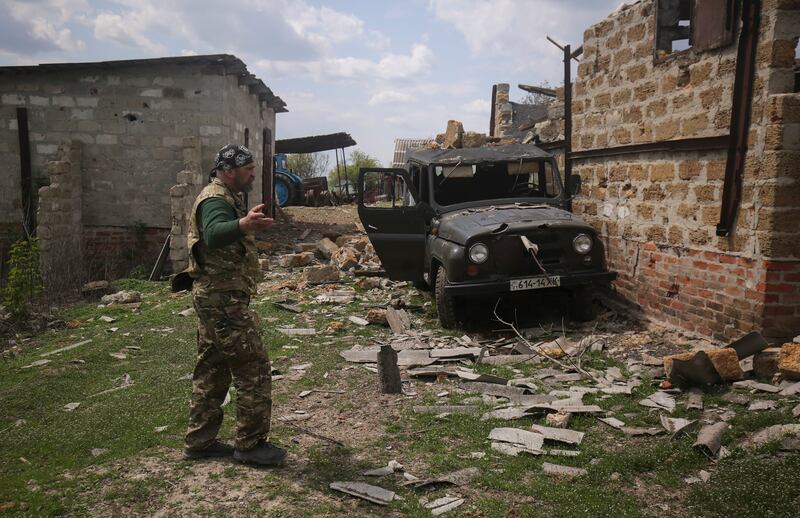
(255, 220)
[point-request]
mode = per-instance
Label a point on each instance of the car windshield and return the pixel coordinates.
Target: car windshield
(469, 183)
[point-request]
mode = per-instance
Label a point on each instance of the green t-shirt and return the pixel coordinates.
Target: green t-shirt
(218, 223)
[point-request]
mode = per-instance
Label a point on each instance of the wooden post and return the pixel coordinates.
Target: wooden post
(388, 372)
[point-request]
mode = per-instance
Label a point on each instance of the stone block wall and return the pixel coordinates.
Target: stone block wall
(60, 222)
(658, 212)
(131, 120)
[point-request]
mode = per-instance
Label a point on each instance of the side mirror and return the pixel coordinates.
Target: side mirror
(574, 185)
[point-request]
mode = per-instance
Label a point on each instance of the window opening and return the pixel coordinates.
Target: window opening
(247, 137)
(674, 25)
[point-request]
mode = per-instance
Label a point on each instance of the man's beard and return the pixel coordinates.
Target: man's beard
(247, 187)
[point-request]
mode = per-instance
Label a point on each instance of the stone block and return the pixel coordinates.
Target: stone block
(320, 274)
(152, 92)
(765, 363)
(725, 361)
(106, 139)
(63, 101)
(453, 136)
(326, 247)
(296, 260)
(789, 361)
(346, 257)
(662, 172)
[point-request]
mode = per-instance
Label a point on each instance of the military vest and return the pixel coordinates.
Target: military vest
(231, 267)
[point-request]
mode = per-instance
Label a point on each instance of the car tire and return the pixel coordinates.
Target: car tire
(445, 304)
(582, 304)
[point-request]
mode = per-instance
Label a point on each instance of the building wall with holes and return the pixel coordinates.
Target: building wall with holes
(132, 122)
(657, 212)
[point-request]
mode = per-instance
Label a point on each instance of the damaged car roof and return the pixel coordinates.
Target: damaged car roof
(478, 155)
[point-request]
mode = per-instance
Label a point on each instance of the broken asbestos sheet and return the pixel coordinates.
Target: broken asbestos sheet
(709, 439)
(562, 471)
(443, 505)
(365, 491)
(659, 400)
(558, 434)
(456, 478)
(513, 441)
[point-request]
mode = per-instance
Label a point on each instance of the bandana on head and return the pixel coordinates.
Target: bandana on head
(231, 157)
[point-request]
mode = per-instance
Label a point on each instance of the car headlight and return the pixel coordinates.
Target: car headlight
(582, 243)
(478, 253)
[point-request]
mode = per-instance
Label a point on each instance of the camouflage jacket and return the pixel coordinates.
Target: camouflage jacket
(231, 267)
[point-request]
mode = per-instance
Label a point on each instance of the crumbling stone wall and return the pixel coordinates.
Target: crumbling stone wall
(658, 212)
(60, 222)
(191, 181)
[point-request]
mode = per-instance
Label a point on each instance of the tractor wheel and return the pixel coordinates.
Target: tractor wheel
(446, 305)
(284, 190)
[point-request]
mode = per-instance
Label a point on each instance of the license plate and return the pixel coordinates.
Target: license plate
(535, 283)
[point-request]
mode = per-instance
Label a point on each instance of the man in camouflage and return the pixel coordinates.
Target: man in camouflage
(223, 263)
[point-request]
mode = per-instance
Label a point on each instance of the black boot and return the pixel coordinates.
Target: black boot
(216, 449)
(264, 454)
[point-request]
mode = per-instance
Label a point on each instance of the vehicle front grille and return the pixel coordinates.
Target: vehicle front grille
(511, 257)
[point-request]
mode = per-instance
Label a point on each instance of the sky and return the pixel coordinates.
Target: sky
(377, 69)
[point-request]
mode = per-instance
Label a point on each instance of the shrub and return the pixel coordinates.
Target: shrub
(24, 281)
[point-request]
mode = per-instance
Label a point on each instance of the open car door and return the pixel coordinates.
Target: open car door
(394, 221)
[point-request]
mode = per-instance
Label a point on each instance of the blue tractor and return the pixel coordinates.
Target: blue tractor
(289, 188)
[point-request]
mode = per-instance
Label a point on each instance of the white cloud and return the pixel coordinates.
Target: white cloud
(390, 97)
(41, 25)
(389, 67)
(324, 26)
(128, 32)
(478, 106)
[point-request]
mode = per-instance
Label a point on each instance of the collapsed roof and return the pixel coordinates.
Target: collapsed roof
(478, 155)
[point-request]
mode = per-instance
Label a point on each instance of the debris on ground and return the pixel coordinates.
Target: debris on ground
(562, 471)
(374, 494)
(442, 505)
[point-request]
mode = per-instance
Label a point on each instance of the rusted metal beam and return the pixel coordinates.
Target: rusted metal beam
(740, 116)
(549, 92)
(689, 144)
(492, 115)
(567, 121)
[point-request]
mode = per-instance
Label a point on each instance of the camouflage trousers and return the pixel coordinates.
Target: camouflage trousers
(229, 347)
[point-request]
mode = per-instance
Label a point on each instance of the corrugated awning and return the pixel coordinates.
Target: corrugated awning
(314, 144)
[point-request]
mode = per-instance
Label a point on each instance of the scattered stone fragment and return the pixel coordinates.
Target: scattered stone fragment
(789, 361)
(558, 434)
(107, 319)
(695, 400)
(466, 374)
(159, 429)
(523, 382)
(558, 420)
(327, 247)
(513, 441)
(562, 471)
(633, 431)
(187, 312)
(377, 316)
(659, 400)
(455, 478)
(296, 331)
(296, 260)
(96, 452)
(796, 411)
(772, 433)
(362, 355)
(709, 439)
(506, 414)
(122, 297)
(379, 472)
(321, 274)
(791, 390)
(398, 320)
(346, 257)
(761, 404)
(443, 505)
(725, 361)
(562, 453)
(447, 409)
(336, 297)
(612, 422)
(492, 389)
(754, 385)
(733, 397)
(119, 355)
(677, 425)
(358, 320)
(364, 491)
(69, 407)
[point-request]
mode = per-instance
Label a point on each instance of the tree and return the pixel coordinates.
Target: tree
(357, 160)
(308, 165)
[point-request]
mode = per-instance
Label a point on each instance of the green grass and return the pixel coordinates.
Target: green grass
(46, 465)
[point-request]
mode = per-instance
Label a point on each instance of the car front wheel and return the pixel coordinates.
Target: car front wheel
(446, 305)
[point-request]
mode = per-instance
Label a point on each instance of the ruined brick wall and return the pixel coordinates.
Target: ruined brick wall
(60, 222)
(657, 212)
